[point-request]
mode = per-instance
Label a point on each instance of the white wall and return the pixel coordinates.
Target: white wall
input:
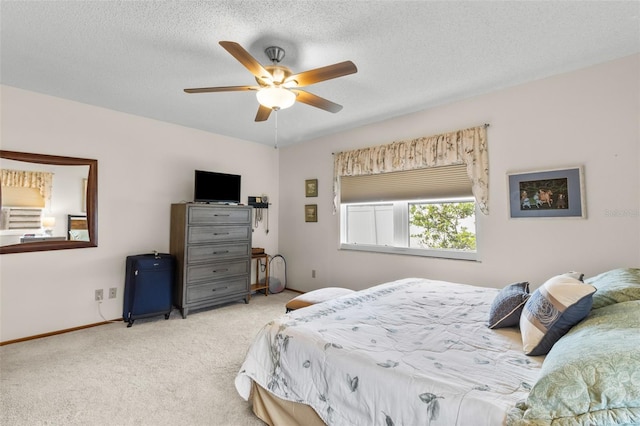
(143, 167)
(588, 117)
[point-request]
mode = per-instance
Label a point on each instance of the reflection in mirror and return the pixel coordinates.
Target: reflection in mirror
(47, 202)
(77, 228)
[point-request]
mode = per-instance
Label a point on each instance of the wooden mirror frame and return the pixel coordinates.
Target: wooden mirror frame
(92, 202)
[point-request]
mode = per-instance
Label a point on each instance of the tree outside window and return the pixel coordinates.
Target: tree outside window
(443, 225)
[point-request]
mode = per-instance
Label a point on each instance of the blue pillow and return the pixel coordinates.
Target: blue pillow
(551, 311)
(507, 306)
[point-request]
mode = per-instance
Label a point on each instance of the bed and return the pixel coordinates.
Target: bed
(77, 228)
(419, 351)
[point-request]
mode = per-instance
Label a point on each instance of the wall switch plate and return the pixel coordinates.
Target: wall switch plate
(112, 292)
(313, 273)
(99, 295)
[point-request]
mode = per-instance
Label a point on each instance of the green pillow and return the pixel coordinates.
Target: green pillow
(615, 286)
(591, 376)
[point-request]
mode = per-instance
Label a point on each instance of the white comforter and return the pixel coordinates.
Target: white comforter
(410, 352)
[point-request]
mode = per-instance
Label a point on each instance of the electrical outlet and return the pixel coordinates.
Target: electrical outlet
(313, 273)
(112, 292)
(99, 295)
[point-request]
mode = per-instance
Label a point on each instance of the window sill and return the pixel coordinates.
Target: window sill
(442, 254)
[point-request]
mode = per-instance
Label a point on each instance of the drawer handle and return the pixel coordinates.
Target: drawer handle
(220, 233)
(215, 271)
(221, 252)
(222, 215)
(221, 288)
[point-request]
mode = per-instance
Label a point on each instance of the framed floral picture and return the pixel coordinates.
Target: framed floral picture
(311, 187)
(547, 193)
(311, 213)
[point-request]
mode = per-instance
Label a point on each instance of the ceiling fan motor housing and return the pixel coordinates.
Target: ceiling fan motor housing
(278, 72)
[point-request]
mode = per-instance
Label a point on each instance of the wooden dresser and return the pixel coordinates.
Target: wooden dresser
(212, 246)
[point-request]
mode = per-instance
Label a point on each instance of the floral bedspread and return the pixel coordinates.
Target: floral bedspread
(409, 352)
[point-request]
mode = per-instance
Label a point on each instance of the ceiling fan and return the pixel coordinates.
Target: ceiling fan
(278, 87)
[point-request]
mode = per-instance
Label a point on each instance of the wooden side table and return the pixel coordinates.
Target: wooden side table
(257, 285)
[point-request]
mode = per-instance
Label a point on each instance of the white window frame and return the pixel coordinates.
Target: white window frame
(401, 232)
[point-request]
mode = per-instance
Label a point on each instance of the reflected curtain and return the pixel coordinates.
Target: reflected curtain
(42, 181)
(468, 146)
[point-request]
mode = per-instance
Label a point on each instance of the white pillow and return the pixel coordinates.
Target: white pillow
(79, 235)
(551, 311)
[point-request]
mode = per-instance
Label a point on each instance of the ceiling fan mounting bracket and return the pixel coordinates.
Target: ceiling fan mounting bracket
(275, 54)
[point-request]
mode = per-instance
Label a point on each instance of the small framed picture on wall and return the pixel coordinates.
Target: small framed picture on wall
(311, 187)
(311, 213)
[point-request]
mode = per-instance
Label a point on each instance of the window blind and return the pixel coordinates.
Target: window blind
(435, 182)
(17, 196)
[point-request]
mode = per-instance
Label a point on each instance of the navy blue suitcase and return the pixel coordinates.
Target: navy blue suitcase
(148, 286)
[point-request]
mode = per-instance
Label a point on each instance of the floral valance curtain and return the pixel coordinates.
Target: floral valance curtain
(468, 146)
(42, 181)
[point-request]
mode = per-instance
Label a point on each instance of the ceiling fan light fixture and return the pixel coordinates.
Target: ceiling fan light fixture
(276, 97)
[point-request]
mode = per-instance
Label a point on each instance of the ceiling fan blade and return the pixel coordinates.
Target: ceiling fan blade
(247, 60)
(316, 101)
(263, 113)
(222, 89)
(324, 73)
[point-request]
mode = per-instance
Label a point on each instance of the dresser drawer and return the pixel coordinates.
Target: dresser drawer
(212, 271)
(217, 289)
(214, 215)
(213, 234)
(216, 251)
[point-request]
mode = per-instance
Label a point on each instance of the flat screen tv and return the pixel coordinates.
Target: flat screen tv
(212, 187)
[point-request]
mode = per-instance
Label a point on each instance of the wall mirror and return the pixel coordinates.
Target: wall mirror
(47, 202)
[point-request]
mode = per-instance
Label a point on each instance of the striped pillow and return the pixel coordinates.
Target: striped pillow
(552, 310)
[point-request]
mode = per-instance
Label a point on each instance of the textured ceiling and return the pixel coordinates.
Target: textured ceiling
(138, 56)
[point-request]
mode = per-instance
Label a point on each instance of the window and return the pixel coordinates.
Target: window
(21, 209)
(370, 224)
(443, 225)
(425, 212)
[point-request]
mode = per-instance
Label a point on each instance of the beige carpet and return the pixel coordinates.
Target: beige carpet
(158, 372)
